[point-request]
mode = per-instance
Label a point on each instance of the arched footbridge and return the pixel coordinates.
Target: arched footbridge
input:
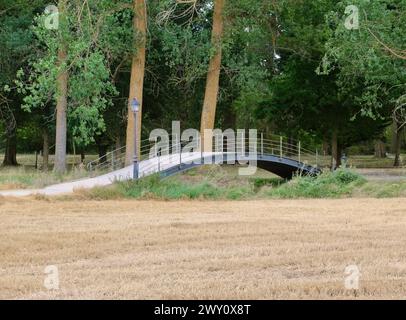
(275, 154)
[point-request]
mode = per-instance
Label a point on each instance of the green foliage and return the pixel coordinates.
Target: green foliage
(360, 56)
(26, 178)
(339, 184)
(92, 39)
(303, 103)
(327, 185)
(271, 52)
(153, 187)
(258, 183)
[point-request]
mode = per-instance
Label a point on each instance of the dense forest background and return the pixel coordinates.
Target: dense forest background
(329, 73)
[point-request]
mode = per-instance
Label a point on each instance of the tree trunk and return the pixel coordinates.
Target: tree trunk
(62, 102)
(380, 149)
(102, 153)
(45, 150)
(230, 119)
(326, 147)
(10, 154)
(117, 147)
(335, 151)
(213, 76)
(291, 147)
(339, 155)
(394, 128)
(137, 78)
(117, 143)
(398, 144)
(117, 153)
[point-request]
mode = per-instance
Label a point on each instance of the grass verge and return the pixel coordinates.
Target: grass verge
(28, 178)
(168, 189)
(339, 184)
(327, 185)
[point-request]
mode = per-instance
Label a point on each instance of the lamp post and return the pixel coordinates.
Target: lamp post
(135, 107)
(344, 161)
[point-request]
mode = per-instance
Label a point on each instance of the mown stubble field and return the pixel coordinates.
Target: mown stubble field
(269, 249)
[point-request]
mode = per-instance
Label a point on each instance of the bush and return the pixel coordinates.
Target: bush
(238, 193)
(327, 185)
(168, 189)
(262, 182)
(342, 182)
(344, 176)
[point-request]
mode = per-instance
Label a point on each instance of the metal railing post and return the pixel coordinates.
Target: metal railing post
(222, 147)
(317, 157)
(157, 154)
(243, 146)
(262, 144)
(235, 148)
(299, 150)
(180, 155)
(281, 147)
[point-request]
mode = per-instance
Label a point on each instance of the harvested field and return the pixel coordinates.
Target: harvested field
(269, 249)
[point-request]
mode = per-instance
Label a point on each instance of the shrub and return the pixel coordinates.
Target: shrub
(327, 185)
(342, 182)
(261, 182)
(168, 189)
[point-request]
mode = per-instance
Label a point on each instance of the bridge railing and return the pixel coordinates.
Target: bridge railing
(262, 145)
(115, 160)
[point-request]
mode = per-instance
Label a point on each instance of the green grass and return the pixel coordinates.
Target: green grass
(168, 189)
(383, 189)
(328, 185)
(258, 183)
(225, 185)
(153, 187)
(25, 178)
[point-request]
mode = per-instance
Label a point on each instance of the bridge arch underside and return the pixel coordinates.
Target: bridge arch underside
(283, 167)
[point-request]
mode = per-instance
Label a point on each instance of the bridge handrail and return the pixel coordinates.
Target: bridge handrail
(277, 146)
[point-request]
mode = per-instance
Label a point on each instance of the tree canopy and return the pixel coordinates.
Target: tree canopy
(328, 72)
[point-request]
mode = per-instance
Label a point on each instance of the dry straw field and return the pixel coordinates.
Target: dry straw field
(193, 249)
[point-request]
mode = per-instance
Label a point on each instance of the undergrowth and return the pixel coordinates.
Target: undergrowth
(327, 185)
(341, 183)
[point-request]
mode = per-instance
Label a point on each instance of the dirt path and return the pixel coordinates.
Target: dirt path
(227, 250)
